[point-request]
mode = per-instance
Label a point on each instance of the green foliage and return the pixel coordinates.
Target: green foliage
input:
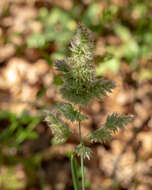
(15, 130)
(14, 180)
(41, 92)
(134, 32)
(92, 15)
(19, 128)
(36, 40)
(59, 128)
(57, 80)
(58, 26)
(129, 24)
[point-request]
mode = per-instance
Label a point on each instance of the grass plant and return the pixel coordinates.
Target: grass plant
(79, 87)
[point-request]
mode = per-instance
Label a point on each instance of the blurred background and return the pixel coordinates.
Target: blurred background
(33, 34)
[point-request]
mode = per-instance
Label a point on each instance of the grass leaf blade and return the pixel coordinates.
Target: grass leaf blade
(74, 173)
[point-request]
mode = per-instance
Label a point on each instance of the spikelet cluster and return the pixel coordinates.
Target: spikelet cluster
(115, 121)
(112, 124)
(60, 129)
(81, 58)
(69, 112)
(84, 151)
(80, 84)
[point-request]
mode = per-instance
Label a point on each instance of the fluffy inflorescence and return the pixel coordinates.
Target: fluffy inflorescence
(80, 85)
(112, 124)
(83, 150)
(82, 56)
(69, 112)
(59, 128)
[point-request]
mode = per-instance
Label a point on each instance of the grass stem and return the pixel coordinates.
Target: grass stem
(82, 157)
(82, 172)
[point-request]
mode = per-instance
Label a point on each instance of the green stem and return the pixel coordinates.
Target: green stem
(74, 173)
(82, 172)
(41, 178)
(82, 157)
(80, 136)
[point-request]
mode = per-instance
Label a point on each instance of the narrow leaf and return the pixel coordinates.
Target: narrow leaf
(74, 173)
